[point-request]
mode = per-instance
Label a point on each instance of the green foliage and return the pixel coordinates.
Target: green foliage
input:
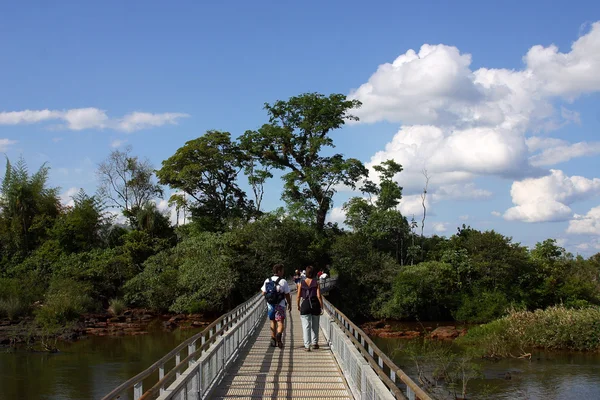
(297, 132)
(427, 290)
(65, 301)
(206, 169)
(127, 182)
(28, 208)
(556, 327)
(157, 286)
(365, 276)
(80, 228)
(481, 307)
(116, 306)
(12, 307)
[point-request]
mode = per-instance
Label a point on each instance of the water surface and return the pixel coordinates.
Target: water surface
(86, 369)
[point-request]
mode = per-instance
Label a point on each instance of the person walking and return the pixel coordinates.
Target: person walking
(310, 309)
(277, 293)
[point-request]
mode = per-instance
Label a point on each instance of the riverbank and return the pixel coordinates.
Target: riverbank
(133, 322)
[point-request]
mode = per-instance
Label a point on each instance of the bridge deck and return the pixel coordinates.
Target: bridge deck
(289, 373)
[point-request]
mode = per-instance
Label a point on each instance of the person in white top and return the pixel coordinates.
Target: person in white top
(277, 293)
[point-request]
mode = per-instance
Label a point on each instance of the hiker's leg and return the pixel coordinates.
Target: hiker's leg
(271, 316)
(306, 320)
(315, 319)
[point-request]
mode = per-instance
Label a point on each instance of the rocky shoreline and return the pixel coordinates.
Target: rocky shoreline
(385, 330)
(130, 323)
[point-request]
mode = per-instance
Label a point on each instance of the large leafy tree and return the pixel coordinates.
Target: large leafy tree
(127, 182)
(28, 208)
(206, 169)
(294, 139)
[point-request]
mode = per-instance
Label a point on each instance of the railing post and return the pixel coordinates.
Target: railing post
(410, 394)
(363, 382)
(161, 375)
(191, 349)
(138, 390)
(177, 361)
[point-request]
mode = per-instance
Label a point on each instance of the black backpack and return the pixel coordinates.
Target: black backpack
(271, 294)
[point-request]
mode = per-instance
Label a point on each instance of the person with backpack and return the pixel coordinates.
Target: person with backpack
(277, 293)
(310, 309)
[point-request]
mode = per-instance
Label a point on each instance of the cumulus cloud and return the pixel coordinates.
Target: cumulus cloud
(555, 151)
(460, 123)
(586, 224)
(440, 227)
(91, 118)
(548, 198)
(66, 198)
(6, 143)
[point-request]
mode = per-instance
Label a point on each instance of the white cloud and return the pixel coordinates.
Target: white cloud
(117, 143)
(496, 213)
(562, 151)
(460, 192)
(548, 198)
(460, 123)
(463, 217)
(6, 143)
(57, 139)
(440, 227)
(413, 205)
(142, 120)
(586, 224)
(338, 215)
(66, 198)
(91, 118)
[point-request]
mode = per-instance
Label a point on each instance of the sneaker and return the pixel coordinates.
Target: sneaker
(273, 342)
(279, 342)
(307, 348)
(315, 346)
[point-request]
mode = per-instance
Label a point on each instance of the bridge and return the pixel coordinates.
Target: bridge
(232, 359)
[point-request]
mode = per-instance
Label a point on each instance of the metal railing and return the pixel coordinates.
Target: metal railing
(368, 371)
(207, 355)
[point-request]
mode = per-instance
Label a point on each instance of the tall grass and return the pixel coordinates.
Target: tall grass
(12, 308)
(556, 327)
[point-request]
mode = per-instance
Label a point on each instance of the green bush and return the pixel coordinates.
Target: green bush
(481, 307)
(12, 307)
(116, 307)
(556, 327)
(65, 301)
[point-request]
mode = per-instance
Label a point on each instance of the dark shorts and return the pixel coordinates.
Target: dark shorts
(275, 313)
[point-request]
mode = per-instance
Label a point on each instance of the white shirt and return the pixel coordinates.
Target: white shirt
(283, 287)
(323, 276)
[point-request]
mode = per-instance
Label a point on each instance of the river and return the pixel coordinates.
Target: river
(548, 375)
(86, 369)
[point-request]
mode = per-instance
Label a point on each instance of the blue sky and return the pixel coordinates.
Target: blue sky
(488, 107)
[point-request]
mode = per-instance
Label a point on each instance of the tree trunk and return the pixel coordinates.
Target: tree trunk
(321, 214)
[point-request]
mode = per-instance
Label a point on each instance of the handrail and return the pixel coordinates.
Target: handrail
(219, 326)
(369, 350)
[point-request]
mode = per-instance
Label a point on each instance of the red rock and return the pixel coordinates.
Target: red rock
(444, 333)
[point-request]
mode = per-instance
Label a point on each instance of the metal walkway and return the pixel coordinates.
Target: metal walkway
(232, 358)
(263, 371)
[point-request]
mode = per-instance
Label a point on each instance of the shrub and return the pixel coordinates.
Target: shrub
(556, 327)
(12, 307)
(481, 307)
(65, 301)
(116, 307)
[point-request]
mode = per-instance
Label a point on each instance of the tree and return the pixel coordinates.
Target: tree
(206, 169)
(297, 132)
(81, 227)
(126, 181)
(180, 202)
(28, 208)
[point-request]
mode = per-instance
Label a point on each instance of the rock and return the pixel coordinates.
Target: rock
(168, 325)
(146, 317)
(199, 324)
(444, 333)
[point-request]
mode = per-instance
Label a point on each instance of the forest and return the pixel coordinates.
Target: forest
(114, 248)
